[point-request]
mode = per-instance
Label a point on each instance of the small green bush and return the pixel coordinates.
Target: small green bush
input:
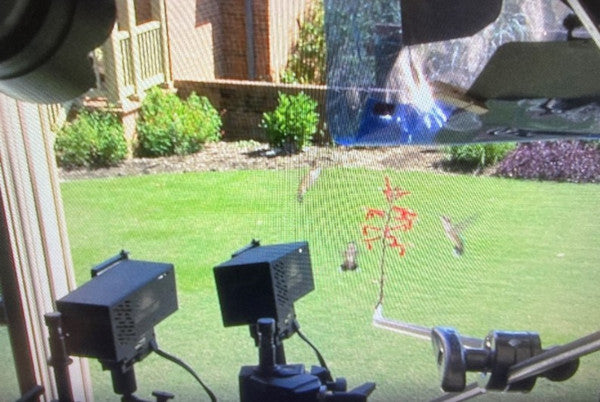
(93, 139)
(169, 126)
(293, 123)
(478, 155)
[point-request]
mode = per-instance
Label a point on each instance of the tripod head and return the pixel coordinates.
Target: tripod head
(291, 382)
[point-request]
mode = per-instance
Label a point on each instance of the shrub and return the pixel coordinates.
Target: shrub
(293, 123)
(478, 155)
(93, 139)
(167, 125)
(574, 161)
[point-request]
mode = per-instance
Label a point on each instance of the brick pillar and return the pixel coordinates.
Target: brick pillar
(262, 40)
(234, 39)
(235, 32)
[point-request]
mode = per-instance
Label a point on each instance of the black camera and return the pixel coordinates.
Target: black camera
(258, 287)
(264, 281)
(44, 46)
(112, 317)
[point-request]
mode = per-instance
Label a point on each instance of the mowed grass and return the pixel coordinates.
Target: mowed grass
(530, 263)
(9, 391)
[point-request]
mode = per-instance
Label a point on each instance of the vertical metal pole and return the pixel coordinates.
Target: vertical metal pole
(59, 358)
(250, 43)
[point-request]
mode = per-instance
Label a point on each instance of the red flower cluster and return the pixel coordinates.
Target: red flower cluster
(395, 219)
(393, 194)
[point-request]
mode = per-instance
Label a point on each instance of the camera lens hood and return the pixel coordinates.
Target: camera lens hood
(44, 47)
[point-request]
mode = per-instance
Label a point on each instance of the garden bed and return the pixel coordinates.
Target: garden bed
(241, 155)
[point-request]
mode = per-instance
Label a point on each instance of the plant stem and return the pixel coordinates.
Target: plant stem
(388, 218)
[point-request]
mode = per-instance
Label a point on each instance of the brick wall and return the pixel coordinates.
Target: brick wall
(262, 40)
(143, 11)
(195, 39)
(216, 46)
(242, 103)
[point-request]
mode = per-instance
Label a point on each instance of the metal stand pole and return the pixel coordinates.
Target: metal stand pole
(59, 358)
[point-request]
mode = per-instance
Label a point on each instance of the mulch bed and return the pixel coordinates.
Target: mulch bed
(223, 156)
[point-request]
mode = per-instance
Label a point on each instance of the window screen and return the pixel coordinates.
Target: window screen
(444, 175)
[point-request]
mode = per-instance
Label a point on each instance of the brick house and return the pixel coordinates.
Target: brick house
(195, 43)
(161, 41)
(232, 39)
(233, 52)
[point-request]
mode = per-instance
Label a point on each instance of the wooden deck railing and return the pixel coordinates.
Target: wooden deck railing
(125, 75)
(133, 67)
(151, 52)
(126, 80)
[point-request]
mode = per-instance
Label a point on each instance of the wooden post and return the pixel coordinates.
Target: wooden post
(159, 13)
(113, 68)
(127, 20)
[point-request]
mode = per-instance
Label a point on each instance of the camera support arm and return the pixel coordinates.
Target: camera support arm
(513, 359)
(554, 357)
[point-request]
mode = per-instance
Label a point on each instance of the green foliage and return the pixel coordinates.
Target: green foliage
(93, 139)
(293, 123)
(169, 126)
(479, 155)
(306, 65)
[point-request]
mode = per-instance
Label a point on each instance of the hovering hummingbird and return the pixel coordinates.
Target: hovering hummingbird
(308, 180)
(453, 232)
(349, 263)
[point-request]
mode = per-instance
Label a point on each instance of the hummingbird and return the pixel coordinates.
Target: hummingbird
(453, 232)
(308, 180)
(349, 263)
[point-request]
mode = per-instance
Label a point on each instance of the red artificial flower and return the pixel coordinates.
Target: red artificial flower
(393, 194)
(406, 216)
(394, 243)
(403, 216)
(371, 213)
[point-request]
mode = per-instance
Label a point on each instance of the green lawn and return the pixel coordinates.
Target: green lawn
(530, 263)
(9, 391)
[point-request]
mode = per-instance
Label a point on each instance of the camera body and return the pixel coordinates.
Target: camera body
(264, 281)
(112, 317)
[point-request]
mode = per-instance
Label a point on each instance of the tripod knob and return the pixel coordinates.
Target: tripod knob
(450, 356)
(498, 353)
